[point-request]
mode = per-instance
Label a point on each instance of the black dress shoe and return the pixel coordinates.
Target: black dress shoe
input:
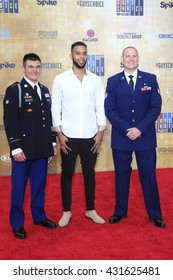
(158, 222)
(19, 233)
(46, 223)
(116, 218)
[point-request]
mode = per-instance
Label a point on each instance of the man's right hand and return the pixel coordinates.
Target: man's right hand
(19, 157)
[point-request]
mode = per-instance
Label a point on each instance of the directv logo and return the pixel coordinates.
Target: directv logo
(95, 64)
(130, 7)
(9, 6)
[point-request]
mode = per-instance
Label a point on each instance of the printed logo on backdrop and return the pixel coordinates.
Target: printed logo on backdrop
(164, 123)
(1, 96)
(2, 127)
(168, 94)
(165, 5)
(4, 34)
(6, 65)
(90, 36)
(127, 36)
(48, 34)
(166, 65)
(6, 158)
(166, 36)
(91, 4)
(52, 65)
(96, 64)
(130, 7)
(165, 150)
(9, 6)
(48, 3)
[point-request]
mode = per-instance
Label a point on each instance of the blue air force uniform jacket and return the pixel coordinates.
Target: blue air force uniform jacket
(140, 109)
(27, 120)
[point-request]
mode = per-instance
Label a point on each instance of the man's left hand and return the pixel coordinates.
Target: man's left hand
(133, 133)
(98, 140)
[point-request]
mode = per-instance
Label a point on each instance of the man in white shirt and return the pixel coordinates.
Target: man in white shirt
(79, 120)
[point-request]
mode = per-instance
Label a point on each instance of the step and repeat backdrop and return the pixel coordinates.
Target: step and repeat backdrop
(48, 28)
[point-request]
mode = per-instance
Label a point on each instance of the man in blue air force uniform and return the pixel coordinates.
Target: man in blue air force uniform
(132, 105)
(27, 119)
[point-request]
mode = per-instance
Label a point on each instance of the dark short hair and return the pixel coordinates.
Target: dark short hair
(31, 56)
(78, 43)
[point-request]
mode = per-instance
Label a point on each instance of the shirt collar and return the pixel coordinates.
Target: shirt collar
(71, 72)
(31, 83)
(134, 74)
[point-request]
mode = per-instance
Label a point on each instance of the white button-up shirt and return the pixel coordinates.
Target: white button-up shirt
(78, 107)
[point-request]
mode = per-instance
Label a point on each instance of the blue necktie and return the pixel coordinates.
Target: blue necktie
(131, 83)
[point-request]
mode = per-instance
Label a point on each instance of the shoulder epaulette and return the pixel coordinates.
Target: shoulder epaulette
(14, 84)
(41, 85)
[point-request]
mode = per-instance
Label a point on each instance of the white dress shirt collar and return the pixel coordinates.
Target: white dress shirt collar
(134, 76)
(32, 84)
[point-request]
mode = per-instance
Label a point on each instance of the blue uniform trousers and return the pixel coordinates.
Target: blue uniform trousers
(35, 171)
(146, 163)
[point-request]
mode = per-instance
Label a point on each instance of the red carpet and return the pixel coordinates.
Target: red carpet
(135, 238)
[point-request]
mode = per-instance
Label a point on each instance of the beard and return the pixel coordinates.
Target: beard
(78, 65)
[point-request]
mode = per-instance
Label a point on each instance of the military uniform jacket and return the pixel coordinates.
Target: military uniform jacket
(28, 125)
(140, 109)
